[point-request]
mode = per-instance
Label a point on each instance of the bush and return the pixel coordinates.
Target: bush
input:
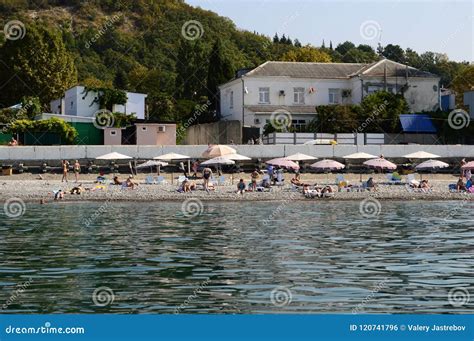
(53, 125)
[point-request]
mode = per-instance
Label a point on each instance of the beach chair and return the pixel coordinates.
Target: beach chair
(339, 179)
(221, 180)
(181, 178)
(160, 180)
(279, 180)
(410, 177)
(149, 180)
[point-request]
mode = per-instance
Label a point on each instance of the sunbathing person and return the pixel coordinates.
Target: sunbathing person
(424, 185)
(185, 186)
(117, 181)
(77, 190)
(296, 180)
(371, 186)
(130, 184)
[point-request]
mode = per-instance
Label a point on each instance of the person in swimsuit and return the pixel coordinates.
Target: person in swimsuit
(254, 177)
(241, 187)
(77, 169)
(65, 165)
(206, 174)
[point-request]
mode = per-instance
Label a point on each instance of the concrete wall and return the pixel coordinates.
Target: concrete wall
(113, 136)
(150, 134)
(222, 132)
(21, 153)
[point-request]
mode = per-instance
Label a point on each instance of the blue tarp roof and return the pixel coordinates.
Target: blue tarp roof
(417, 123)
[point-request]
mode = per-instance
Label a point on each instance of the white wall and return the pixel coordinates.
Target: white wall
(135, 105)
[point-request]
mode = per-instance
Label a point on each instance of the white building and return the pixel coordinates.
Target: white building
(77, 102)
(298, 88)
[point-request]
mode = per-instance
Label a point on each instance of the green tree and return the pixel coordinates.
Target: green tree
(306, 54)
(394, 52)
(220, 71)
(37, 65)
(335, 119)
(345, 47)
(381, 111)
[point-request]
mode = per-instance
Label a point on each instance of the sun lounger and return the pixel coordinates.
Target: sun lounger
(394, 179)
(221, 180)
(160, 180)
(149, 180)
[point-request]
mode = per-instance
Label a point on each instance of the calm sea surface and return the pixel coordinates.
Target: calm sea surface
(250, 257)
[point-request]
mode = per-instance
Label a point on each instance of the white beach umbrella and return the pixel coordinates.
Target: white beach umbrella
(300, 157)
(237, 157)
(421, 155)
(113, 156)
(220, 160)
(152, 163)
(171, 157)
(381, 163)
(360, 156)
(432, 164)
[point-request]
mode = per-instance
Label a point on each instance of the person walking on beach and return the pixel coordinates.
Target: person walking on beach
(195, 168)
(65, 170)
(206, 174)
(77, 169)
(254, 177)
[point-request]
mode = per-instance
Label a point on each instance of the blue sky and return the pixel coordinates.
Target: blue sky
(439, 26)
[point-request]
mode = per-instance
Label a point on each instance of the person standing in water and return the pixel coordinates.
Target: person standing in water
(65, 170)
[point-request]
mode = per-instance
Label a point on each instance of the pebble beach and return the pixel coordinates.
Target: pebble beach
(28, 187)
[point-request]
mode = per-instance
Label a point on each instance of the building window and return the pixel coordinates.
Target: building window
(298, 95)
(264, 95)
(113, 133)
(298, 125)
(231, 100)
(334, 96)
(144, 128)
(72, 104)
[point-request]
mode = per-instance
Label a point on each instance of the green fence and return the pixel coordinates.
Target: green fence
(5, 138)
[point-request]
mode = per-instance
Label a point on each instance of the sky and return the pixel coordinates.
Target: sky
(437, 25)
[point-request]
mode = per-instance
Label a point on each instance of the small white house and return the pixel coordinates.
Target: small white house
(296, 88)
(77, 102)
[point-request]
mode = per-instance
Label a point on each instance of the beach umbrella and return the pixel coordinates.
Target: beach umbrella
(432, 164)
(468, 166)
(421, 155)
(113, 156)
(283, 162)
(218, 150)
(380, 163)
(237, 157)
(300, 157)
(327, 164)
(171, 157)
(152, 163)
(360, 156)
(220, 160)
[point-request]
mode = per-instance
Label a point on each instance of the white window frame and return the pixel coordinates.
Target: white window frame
(231, 100)
(298, 95)
(334, 96)
(264, 95)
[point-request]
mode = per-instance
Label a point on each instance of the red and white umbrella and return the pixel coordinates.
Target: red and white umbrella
(283, 162)
(380, 163)
(327, 164)
(468, 166)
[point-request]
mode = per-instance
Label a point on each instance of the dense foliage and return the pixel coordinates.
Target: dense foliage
(52, 125)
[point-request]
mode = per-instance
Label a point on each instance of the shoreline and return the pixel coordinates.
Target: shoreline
(36, 190)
